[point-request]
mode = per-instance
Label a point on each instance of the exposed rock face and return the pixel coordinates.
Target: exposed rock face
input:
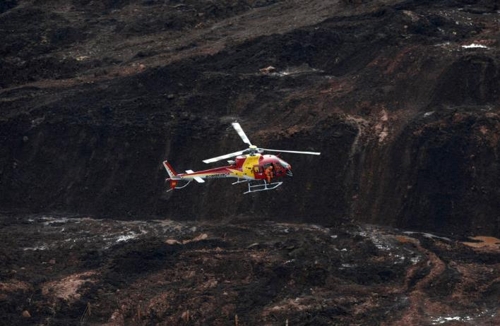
(401, 98)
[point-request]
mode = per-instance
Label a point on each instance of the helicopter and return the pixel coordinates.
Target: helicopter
(251, 166)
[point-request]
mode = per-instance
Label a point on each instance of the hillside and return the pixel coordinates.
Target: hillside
(401, 97)
(388, 226)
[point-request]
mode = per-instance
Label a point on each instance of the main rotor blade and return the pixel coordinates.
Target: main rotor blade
(240, 132)
(223, 157)
(293, 152)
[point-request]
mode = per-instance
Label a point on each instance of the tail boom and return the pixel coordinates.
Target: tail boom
(198, 176)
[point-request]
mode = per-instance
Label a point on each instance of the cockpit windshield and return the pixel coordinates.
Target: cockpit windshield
(284, 164)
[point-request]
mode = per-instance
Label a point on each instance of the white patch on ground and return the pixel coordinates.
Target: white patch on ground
(442, 320)
(303, 69)
(428, 235)
(381, 242)
(42, 247)
(287, 227)
(54, 220)
(475, 46)
(469, 320)
(127, 237)
(69, 232)
(445, 44)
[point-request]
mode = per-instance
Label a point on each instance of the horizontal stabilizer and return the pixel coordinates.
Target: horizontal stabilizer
(197, 179)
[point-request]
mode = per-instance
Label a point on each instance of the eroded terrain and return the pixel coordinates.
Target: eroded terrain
(61, 271)
(401, 97)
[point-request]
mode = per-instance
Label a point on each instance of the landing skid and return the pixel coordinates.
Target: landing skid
(251, 187)
(240, 181)
(262, 186)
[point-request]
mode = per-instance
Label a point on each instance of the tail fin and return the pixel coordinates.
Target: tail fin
(170, 169)
(173, 175)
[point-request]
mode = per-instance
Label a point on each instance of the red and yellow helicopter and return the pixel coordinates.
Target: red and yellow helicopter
(250, 165)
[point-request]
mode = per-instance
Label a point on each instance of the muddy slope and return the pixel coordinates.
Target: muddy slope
(401, 97)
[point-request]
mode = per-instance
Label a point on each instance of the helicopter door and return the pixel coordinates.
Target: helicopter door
(257, 170)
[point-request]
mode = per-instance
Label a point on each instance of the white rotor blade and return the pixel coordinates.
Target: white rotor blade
(294, 152)
(240, 132)
(222, 157)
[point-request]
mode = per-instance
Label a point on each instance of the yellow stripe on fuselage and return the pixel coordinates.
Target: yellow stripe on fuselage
(250, 162)
(245, 173)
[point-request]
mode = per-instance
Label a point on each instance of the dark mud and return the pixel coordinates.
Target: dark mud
(74, 270)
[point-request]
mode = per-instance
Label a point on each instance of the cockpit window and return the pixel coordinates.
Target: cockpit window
(265, 166)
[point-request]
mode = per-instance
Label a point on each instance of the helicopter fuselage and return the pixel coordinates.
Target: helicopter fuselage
(249, 167)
